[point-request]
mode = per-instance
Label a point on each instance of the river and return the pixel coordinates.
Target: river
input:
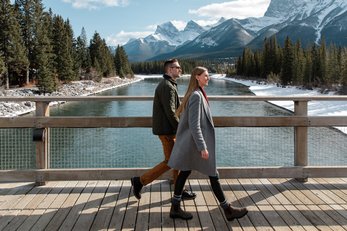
(138, 147)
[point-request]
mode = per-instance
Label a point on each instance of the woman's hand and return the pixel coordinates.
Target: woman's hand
(204, 154)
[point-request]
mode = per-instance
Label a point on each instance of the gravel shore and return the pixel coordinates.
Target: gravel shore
(75, 88)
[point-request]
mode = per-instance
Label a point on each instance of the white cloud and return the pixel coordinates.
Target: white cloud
(123, 37)
(95, 4)
(233, 9)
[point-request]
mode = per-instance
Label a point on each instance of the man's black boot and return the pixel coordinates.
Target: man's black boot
(186, 195)
(137, 186)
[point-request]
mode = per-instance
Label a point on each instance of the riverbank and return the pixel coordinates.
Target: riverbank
(84, 88)
(75, 88)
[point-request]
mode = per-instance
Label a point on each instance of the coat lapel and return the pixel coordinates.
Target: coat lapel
(206, 108)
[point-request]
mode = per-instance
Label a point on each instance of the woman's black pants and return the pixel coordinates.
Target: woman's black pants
(214, 180)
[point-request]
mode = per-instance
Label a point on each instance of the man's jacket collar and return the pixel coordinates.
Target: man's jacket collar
(167, 77)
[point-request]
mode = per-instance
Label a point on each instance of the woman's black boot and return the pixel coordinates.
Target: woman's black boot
(177, 212)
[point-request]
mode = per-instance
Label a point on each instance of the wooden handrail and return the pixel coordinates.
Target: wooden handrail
(126, 122)
(43, 122)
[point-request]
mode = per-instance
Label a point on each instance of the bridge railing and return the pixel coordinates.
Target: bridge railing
(41, 122)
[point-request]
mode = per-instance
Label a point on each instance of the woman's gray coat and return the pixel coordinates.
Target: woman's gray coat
(195, 133)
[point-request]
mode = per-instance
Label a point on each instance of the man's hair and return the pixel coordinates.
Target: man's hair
(168, 64)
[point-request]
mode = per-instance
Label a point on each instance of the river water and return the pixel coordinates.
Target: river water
(138, 147)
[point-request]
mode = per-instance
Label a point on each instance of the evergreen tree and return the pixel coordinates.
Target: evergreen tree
(316, 66)
(271, 57)
(343, 80)
(239, 68)
(308, 72)
(2, 69)
(287, 74)
(258, 63)
(333, 68)
(99, 52)
(322, 63)
(11, 45)
(299, 64)
(30, 15)
(123, 68)
(82, 57)
(62, 42)
(44, 56)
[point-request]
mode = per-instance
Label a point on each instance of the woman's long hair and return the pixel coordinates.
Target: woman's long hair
(192, 86)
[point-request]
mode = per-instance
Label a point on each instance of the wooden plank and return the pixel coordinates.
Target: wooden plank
(268, 196)
(275, 220)
(166, 195)
(263, 205)
(87, 215)
(326, 222)
(203, 214)
(25, 210)
(131, 209)
(289, 194)
(116, 222)
(15, 195)
(69, 203)
(281, 204)
(143, 210)
(47, 207)
(305, 199)
(256, 217)
(190, 206)
(339, 184)
(10, 188)
(236, 199)
(34, 206)
(155, 206)
(332, 217)
(77, 208)
(330, 196)
(104, 215)
(299, 216)
(312, 218)
(13, 205)
(55, 206)
(229, 195)
(306, 188)
(218, 218)
(287, 217)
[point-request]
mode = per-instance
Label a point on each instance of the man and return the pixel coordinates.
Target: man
(165, 123)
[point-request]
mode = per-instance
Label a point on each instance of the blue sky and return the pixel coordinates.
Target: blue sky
(119, 20)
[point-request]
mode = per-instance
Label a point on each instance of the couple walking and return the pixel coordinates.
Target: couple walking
(194, 147)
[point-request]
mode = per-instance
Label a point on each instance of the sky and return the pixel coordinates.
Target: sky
(119, 20)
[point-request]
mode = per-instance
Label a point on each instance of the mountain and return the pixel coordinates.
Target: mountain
(165, 39)
(309, 21)
(228, 35)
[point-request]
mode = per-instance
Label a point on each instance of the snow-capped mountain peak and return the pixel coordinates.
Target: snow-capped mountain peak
(306, 21)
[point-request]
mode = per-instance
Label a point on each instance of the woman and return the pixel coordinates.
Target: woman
(195, 146)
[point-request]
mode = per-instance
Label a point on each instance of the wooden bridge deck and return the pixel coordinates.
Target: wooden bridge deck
(274, 204)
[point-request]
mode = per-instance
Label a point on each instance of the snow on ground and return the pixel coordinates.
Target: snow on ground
(315, 108)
